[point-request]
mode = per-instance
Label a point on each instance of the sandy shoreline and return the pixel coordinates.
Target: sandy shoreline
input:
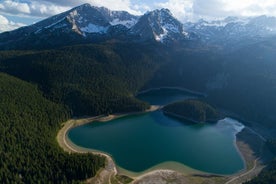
(174, 169)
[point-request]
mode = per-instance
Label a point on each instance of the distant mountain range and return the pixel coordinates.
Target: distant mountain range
(90, 24)
(232, 29)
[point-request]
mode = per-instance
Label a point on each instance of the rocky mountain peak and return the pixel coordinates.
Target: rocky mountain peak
(159, 25)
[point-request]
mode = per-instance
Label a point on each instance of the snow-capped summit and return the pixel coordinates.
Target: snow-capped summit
(119, 17)
(159, 25)
(82, 24)
(87, 19)
(90, 19)
(99, 19)
(90, 24)
(83, 20)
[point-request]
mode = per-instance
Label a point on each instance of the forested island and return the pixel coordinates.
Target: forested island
(194, 111)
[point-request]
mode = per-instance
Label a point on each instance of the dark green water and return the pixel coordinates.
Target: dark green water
(165, 96)
(139, 142)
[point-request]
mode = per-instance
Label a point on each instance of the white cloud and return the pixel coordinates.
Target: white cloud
(141, 8)
(213, 9)
(3, 20)
(127, 5)
(223, 8)
(253, 7)
(34, 8)
(116, 5)
(46, 9)
(182, 9)
(208, 9)
(6, 25)
(14, 7)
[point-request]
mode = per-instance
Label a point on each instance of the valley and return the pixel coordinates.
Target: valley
(93, 62)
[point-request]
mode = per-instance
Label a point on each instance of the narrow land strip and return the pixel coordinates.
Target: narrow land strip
(107, 172)
(252, 147)
(244, 174)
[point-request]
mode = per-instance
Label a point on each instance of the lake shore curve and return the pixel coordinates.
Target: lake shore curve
(111, 169)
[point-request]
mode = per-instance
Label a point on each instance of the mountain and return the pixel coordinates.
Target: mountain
(90, 24)
(159, 25)
(232, 31)
(82, 24)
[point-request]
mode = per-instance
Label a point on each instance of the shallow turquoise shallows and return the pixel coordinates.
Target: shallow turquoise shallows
(139, 142)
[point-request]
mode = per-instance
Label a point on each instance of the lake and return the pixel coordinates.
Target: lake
(139, 142)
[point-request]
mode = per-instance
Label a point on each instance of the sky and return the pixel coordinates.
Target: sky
(17, 13)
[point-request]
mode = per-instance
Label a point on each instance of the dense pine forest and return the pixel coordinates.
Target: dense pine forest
(192, 110)
(28, 127)
(90, 79)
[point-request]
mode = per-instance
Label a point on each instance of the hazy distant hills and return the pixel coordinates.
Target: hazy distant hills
(233, 32)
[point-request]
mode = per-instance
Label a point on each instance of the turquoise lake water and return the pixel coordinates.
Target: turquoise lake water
(139, 142)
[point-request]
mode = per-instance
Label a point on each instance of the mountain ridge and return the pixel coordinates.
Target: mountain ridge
(90, 24)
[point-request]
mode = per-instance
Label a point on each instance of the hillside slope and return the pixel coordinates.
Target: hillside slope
(28, 149)
(90, 79)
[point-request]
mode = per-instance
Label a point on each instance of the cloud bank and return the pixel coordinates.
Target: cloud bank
(6, 25)
(33, 9)
(223, 8)
(182, 9)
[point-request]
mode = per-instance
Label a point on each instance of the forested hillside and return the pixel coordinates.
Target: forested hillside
(28, 127)
(104, 78)
(241, 81)
(90, 79)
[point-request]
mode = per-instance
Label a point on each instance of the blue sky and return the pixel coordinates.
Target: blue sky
(17, 13)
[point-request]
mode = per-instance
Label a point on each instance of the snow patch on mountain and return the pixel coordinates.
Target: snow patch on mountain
(160, 37)
(127, 23)
(92, 28)
(74, 13)
(55, 23)
(171, 27)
